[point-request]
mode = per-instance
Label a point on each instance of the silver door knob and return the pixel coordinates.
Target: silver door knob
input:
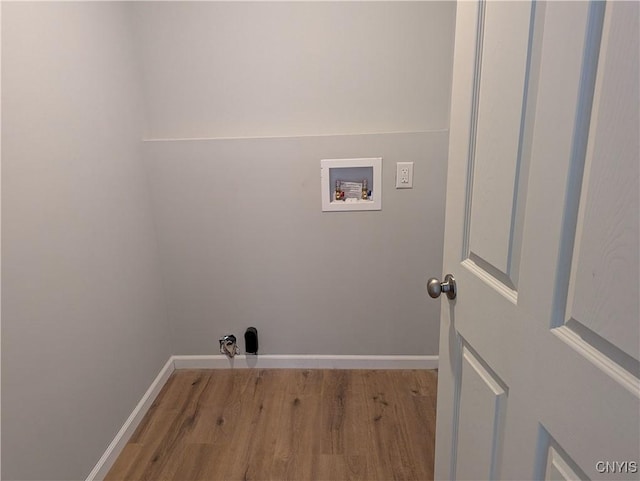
(435, 287)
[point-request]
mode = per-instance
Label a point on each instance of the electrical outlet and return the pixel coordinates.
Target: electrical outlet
(404, 175)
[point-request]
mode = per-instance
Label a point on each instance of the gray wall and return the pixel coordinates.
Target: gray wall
(84, 329)
(243, 242)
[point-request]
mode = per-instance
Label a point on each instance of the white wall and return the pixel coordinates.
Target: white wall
(246, 69)
(84, 329)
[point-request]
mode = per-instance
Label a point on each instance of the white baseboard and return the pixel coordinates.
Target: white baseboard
(305, 361)
(268, 361)
(128, 428)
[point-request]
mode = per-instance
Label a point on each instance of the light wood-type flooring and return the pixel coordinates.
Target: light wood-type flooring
(286, 424)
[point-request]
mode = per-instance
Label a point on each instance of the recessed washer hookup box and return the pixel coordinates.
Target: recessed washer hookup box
(351, 184)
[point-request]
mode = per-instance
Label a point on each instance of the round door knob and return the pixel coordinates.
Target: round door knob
(448, 286)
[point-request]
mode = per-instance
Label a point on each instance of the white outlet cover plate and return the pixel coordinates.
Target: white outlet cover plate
(404, 175)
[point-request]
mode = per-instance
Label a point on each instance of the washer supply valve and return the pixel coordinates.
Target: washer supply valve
(228, 345)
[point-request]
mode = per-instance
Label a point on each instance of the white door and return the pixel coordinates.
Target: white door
(539, 371)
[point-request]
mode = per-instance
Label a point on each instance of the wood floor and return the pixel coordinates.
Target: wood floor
(284, 424)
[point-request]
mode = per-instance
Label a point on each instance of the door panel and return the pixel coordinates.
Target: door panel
(483, 400)
(559, 468)
(502, 55)
(603, 291)
(539, 372)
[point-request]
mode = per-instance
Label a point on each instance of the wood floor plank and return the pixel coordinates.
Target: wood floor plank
(251, 438)
(124, 465)
(195, 463)
(333, 411)
(417, 408)
(298, 424)
(357, 443)
(261, 446)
